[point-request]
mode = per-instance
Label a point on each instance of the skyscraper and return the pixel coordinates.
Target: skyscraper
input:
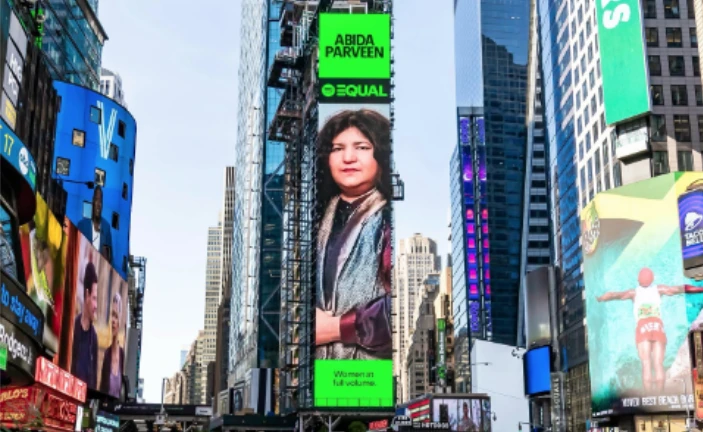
(111, 86)
(213, 278)
(416, 258)
(487, 173)
(256, 254)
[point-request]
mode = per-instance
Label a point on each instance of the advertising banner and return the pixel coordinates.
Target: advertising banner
(463, 414)
(537, 287)
(105, 422)
(625, 82)
(696, 347)
(98, 321)
(353, 356)
(442, 352)
(639, 304)
(94, 152)
(44, 245)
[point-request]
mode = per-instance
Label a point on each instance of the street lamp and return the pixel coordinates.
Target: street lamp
(688, 413)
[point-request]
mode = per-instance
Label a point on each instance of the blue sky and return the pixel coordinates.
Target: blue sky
(179, 64)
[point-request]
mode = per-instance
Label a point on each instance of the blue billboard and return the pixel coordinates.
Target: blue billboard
(94, 157)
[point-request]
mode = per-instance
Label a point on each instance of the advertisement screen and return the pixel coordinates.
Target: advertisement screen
(625, 83)
(537, 370)
(94, 156)
(537, 287)
(44, 246)
(353, 336)
(463, 414)
(99, 318)
(640, 306)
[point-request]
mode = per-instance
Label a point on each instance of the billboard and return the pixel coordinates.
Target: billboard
(95, 349)
(44, 246)
(538, 367)
(353, 337)
(538, 284)
(640, 305)
(94, 156)
(625, 80)
(463, 414)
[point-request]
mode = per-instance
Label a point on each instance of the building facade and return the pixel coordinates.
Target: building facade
(416, 258)
(111, 86)
(213, 278)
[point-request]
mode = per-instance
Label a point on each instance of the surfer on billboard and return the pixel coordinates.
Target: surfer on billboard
(650, 336)
(352, 319)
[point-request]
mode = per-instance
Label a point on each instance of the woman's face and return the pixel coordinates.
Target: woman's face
(114, 322)
(352, 164)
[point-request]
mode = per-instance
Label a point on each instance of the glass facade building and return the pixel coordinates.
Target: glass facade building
(488, 172)
(73, 40)
(256, 251)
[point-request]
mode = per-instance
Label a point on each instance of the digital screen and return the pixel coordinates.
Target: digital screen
(640, 305)
(462, 414)
(94, 157)
(537, 370)
(691, 226)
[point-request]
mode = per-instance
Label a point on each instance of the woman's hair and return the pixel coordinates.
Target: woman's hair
(117, 300)
(373, 126)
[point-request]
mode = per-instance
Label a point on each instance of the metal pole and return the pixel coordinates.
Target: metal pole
(163, 384)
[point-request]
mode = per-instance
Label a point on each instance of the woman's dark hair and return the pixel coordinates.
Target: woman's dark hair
(90, 278)
(373, 126)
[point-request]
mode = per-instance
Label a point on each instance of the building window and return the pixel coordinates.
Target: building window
(676, 66)
(122, 128)
(78, 138)
(87, 210)
(694, 37)
(655, 66)
(114, 152)
(652, 35)
(679, 96)
(691, 10)
(95, 115)
(657, 94)
(685, 160)
(115, 220)
(63, 166)
(99, 177)
(700, 127)
(125, 191)
(594, 130)
(699, 95)
(650, 9)
(658, 128)
(696, 65)
(682, 128)
(131, 167)
(660, 163)
(673, 37)
(671, 9)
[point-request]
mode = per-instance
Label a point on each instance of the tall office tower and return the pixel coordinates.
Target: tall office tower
(256, 246)
(416, 258)
(111, 86)
(200, 370)
(223, 309)
(213, 281)
(487, 173)
(74, 52)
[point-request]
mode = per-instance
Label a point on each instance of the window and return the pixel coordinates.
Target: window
(125, 191)
(78, 138)
(657, 94)
(691, 10)
(590, 53)
(660, 162)
(594, 105)
(673, 37)
(650, 8)
(655, 66)
(696, 65)
(594, 131)
(63, 166)
(699, 95)
(99, 177)
(652, 35)
(694, 37)
(121, 129)
(685, 160)
(700, 127)
(658, 128)
(600, 94)
(587, 140)
(95, 115)
(114, 152)
(602, 121)
(671, 9)
(682, 128)
(131, 167)
(676, 66)
(679, 97)
(606, 158)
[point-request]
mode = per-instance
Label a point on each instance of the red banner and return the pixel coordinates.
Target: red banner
(22, 406)
(52, 376)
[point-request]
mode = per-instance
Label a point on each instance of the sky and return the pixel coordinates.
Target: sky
(179, 66)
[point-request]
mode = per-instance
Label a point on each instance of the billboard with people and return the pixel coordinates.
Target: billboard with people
(98, 319)
(640, 305)
(353, 336)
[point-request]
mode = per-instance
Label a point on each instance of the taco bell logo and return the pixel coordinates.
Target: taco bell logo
(692, 220)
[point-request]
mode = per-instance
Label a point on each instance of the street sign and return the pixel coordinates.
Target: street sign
(3, 357)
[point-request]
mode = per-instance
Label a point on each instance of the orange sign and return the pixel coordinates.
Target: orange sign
(52, 376)
(378, 424)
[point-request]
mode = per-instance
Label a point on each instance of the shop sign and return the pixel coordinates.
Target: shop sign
(19, 309)
(57, 379)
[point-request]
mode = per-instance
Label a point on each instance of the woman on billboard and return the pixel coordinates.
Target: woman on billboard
(650, 336)
(113, 360)
(354, 237)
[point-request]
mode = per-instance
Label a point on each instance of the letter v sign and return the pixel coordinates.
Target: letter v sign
(106, 135)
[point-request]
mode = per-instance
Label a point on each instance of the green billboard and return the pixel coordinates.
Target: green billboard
(353, 383)
(625, 83)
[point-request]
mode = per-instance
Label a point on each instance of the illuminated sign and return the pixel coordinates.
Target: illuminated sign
(14, 151)
(105, 422)
(442, 348)
(20, 310)
(57, 379)
(21, 350)
(378, 425)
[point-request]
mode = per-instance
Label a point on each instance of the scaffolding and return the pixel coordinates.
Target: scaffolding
(137, 285)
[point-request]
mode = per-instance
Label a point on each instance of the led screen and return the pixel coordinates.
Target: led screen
(537, 370)
(463, 414)
(353, 336)
(94, 156)
(640, 305)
